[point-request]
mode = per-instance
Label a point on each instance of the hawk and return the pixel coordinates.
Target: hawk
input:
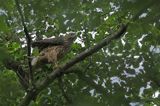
(52, 50)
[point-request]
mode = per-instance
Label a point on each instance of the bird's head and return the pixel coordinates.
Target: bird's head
(70, 37)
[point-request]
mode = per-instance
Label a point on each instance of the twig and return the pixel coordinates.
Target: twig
(28, 38)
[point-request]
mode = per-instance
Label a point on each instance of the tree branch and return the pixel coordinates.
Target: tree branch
(28, 38)
(31, 95)
(60, 71)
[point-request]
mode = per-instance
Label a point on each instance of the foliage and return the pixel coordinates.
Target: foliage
(126, 72)
(10, 90)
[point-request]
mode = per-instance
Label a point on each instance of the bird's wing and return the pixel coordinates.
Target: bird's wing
(52, 42)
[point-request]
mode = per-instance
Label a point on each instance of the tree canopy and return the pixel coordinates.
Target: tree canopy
(114, 60)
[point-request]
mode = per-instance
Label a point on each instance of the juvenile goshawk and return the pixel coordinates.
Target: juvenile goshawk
(52, 50)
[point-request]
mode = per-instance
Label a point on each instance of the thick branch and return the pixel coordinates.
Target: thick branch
(60, 71)
(28, 38)
(82, 56)
(31, 95)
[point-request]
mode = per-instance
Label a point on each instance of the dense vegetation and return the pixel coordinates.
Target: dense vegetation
(125, 72)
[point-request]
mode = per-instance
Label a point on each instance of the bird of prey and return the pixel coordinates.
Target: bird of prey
(52, 50)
